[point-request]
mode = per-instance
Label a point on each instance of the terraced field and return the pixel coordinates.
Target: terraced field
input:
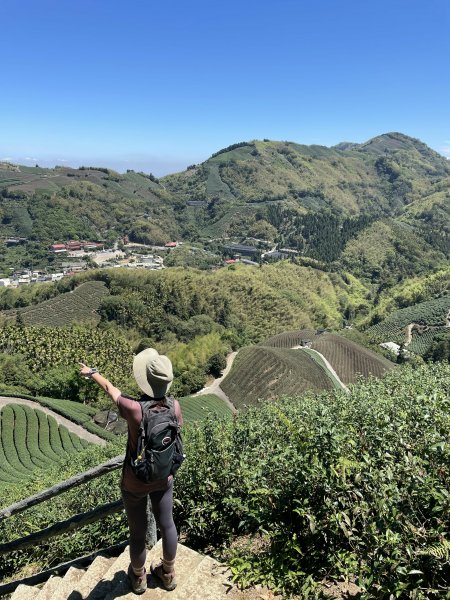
(261, 372)
(421, 341)
(427, 320)
(433, 313)
(197, 408)
(349, 359)
(31, 440)
(290, 339)
(72, 307)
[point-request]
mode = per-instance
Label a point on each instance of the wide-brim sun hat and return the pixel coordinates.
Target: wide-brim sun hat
(153, 372)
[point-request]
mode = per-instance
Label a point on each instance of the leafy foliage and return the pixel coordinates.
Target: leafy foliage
(337, 485)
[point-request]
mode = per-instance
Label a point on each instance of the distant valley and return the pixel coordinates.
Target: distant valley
(378, 209)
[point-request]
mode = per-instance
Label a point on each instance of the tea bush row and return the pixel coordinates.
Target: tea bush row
(432, 313)
(31, 440)
(331, 486)
(78, 413)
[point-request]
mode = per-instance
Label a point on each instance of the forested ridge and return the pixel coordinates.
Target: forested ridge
(317, 486)
(372, 208)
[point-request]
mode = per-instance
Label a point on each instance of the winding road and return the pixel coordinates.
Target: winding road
(214, 387)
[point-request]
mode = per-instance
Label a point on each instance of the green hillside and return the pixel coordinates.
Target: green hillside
(31, 441)
(197, 408)
(348, 358)
(77, 306)
(324, 202)
(424, 322)
(262, 373)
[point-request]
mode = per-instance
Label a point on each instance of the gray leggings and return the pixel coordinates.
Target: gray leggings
(136, 509)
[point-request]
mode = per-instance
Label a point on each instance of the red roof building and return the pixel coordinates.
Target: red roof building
(73, 245)
(171, 245)
(58, 248)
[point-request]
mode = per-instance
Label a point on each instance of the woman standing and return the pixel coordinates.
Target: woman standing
(153, 374)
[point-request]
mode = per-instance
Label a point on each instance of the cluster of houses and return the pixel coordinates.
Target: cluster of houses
(74, 245)
(26, 277)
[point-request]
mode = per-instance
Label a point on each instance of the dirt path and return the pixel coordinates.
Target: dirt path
(214, 387)
(410, 327)
(327, 364)
(77, 429)
(408, 332)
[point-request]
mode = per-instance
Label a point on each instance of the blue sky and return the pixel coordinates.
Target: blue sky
(157, 86)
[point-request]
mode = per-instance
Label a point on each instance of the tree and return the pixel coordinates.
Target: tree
(216, 364)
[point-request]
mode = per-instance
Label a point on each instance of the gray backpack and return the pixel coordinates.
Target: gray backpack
(159, 446)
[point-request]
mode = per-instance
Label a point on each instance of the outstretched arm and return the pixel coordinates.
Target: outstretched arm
(106, 385)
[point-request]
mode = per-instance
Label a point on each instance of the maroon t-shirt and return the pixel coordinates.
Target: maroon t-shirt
(131, 411)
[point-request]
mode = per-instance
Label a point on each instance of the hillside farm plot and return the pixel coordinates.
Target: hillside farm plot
(349, 359)
(290, 339)
(262, 373)
(433, 313)
(30, 440)
(422, 340)
(223, 223)
(72, 307)
(197, 408)
(318, 359)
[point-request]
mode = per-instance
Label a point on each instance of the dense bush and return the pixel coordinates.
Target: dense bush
(329, 486)
(337, 485)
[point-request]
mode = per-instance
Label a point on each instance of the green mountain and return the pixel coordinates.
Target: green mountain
(380, 207)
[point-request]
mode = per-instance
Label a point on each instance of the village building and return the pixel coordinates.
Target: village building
(73, 245)
(240, 249)
(58, 248)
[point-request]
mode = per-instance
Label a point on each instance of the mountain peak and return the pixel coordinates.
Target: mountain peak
(394, 141)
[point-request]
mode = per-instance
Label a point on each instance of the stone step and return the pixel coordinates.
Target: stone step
(68, 583)
(92, 579)
(209, 581)
(199, 578)
(25, 592)
(186, 564)
(50, 586)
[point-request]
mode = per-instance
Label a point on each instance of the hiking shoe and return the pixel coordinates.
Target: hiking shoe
(167, 579)
(138, 583)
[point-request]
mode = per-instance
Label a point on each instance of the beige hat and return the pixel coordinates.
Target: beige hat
(153, 372)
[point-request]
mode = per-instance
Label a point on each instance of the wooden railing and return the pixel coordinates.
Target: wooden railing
(71, 524)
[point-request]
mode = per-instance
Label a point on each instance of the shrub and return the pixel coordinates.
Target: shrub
(341, 486)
